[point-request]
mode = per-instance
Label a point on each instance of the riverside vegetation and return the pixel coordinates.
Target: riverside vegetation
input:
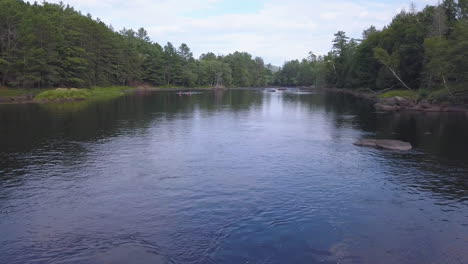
(52, 45)
(419, 56)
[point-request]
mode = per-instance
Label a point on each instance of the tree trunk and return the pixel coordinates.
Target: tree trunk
(336, 73)
(446, 86)
(394, 73)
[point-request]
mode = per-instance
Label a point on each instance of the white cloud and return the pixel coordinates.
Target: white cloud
(280, 30)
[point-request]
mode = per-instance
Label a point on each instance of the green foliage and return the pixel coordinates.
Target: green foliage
(245, 71)
(96, 93)
(439, 95)
(64, 94)
(425, 51)
(423, 93)
(44, 45)
(99, 94)
(383, 57)
(105, 93)
(401, 93)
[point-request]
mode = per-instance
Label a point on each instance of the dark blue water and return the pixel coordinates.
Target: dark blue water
(230, 177)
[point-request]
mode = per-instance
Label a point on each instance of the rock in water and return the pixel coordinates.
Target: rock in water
(384, 144)
(366, 143)
(393, 145)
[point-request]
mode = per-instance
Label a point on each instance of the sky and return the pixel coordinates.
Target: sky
(276, 30)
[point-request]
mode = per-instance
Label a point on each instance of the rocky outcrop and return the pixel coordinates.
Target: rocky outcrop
(384, 144)
(386, 107)
(399, 104)
(394, 104)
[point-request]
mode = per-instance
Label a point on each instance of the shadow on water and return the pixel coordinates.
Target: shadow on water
(442, 134)
(439, 139)
(230, 177)
(29, 127)
(62, 128)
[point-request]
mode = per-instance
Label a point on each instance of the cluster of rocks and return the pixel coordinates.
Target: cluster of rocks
(399, 103)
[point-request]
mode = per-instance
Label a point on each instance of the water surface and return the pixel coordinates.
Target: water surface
(241, 176)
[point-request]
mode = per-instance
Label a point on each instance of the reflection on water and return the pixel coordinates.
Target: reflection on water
(230, 177)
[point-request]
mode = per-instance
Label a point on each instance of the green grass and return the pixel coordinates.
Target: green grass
(62, 94)
(440, 95)
(401, 93)
(104, 93)
(95, 93)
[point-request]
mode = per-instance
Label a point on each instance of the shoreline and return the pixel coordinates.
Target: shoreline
(29, 98)
(402, 104)
(392, 104)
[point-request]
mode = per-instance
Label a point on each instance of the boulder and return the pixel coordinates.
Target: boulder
(366, 143)
(384, 144)
(389, 101)
(401, 101)
(386, 107)
(393, 144)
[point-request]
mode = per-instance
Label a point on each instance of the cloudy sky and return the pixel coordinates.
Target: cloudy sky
(277, 30)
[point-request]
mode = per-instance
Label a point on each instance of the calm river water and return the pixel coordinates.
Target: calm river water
(241, 176)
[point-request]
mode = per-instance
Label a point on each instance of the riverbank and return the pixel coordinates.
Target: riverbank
(63, 95)
(11, 96)
(403, 100)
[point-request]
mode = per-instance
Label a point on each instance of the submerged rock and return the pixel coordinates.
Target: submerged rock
(366, 143)
(384, 144)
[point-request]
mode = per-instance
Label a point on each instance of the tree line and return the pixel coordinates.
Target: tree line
(425, 51)
(53, 45)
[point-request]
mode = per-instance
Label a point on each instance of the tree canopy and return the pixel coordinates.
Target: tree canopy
(53, 45)
(426, 50)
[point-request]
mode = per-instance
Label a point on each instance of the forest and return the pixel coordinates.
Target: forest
(422, 52)
(53, 45)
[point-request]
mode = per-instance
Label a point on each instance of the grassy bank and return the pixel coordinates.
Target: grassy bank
(401, 93)
(73, 94)
(417, 95)
(62, 94)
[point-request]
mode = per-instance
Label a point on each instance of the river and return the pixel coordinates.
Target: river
(238, 176)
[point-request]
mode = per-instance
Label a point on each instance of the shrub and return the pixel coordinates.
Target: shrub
(63, 94)
(439, 95)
